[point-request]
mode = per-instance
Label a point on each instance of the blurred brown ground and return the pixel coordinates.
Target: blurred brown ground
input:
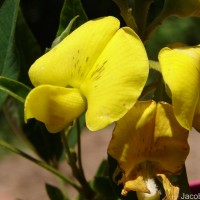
(24, 180)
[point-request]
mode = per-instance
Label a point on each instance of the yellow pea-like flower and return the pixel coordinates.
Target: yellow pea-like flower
(99, 68)
(148, 142)
(180, 68)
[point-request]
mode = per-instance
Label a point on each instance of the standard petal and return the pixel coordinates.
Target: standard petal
(69, 62)
(180, 69)
(133, 136)
(55, 106)
(147, 141)
(170, 146)
(115, 82)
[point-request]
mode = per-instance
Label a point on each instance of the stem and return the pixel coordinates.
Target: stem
(126, 13)
(141, 9)
(40, 163)
(160, 93)
(152, 27)
(77, 173)
(70, 157)
(79, 148)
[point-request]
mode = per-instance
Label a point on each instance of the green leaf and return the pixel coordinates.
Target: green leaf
(27, 47)
(71, 8)
(102, 168)
(73, 131)
(4, 130)
(48, 146)
(1, 2)
(55, 193)
(80, 197)
(103, 186)
(65, 33)
(9, 66)
(14, 88)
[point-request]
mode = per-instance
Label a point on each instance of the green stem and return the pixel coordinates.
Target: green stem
(77, 173)
(153, 26)
(70, 157)
(126, 13)
(79, 149)
(40, 163)
(160, 93)
(140, 11)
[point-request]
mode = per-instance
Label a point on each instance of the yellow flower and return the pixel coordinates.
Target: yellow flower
(180, 68)
(98, 68)
(148, 142)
